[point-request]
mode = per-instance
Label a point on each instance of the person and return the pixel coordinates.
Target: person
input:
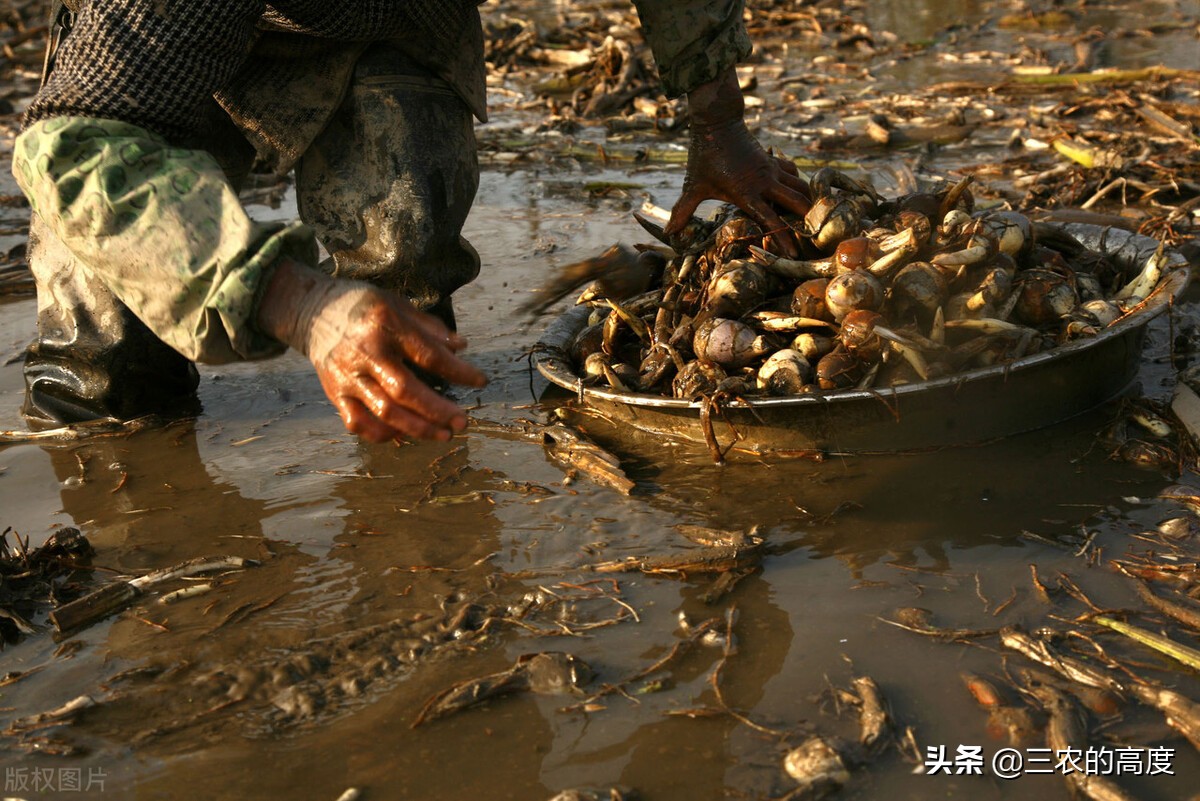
(151, 115)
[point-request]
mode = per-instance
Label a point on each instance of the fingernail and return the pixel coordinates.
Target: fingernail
(443, 435)
(459, 423)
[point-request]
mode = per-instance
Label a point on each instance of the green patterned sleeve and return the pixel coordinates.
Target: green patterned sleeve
(693, 41)
(162, 228)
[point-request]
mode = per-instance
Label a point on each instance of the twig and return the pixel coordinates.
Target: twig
(109, 599)
(979, 594)
(1073, 590)
(1039, 589)
(1006, 603)
(1187, 617)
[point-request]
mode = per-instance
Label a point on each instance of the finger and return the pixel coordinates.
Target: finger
(391, 384)
(437, 330)
(360, 422)
(774, 226)
(788, 166)
(410, 330)
(789, 199)
(797, 183)
(682, 213)
(417, 416)
(415, 421)
(425, 352)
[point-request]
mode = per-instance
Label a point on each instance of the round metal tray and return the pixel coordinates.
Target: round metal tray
(969, 407)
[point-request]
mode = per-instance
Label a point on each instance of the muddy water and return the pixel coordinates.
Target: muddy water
(368, 543)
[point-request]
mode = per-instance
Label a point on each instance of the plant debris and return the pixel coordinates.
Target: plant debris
(32, 581)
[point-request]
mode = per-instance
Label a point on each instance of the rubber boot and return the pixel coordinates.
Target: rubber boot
(389, 183)
(92, 357)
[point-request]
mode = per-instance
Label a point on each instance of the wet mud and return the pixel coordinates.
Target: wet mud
(390, 574)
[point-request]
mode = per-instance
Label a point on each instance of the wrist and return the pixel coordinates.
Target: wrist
(717, 104)
(292, 297)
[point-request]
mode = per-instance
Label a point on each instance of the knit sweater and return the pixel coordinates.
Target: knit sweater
(157, 63)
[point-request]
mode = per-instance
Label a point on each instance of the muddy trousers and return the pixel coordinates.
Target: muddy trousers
(386, 186)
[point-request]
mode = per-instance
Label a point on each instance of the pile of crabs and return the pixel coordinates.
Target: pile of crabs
(889, 292)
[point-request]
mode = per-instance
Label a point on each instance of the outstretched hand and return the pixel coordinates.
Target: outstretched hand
(362, 341)
(726, 163)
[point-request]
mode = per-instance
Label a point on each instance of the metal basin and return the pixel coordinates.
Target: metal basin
(969, 407)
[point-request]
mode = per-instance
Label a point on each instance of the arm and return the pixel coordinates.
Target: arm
(696, 45)
(725, 162)
(168, 236)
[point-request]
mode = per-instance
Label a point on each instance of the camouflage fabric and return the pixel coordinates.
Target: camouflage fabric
(161, 227)
(93, 357)
(695, 41)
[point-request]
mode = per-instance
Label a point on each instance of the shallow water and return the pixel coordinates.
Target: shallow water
(352, 536)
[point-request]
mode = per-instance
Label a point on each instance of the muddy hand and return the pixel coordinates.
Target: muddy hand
(726, 163)
(361, 340)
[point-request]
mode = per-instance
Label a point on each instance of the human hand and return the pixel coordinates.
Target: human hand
(362, 341)
(726, 163)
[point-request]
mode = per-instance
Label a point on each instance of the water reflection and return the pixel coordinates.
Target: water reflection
(922, 20)
(903, 509)
(148, 501)
(394, 550)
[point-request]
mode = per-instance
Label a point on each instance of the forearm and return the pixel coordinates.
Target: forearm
(161, 228)
(695, 42)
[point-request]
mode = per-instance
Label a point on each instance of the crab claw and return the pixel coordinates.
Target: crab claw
(654, 229)
(826, 179)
